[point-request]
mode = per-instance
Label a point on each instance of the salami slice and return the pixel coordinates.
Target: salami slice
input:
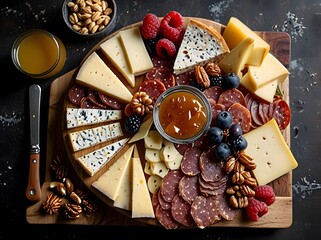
(181, 211)
(216, 109)
(155, 201)
(111, 102)
(241, 115)
(93, 96)
(231, 96)
(128, 110)
(190, 161)
(181, 148)
(165, 205)
(170, 182)
(204, 211)
(165, 218)
(224, 208)
(202, 143)
(189, 188)
(153, 88)
(213, 92)
(256, 118)
(87, 103)
(164, 74)
(162, 63)
(264, 111)
(185, 78)
(282, 113)
(76, 93)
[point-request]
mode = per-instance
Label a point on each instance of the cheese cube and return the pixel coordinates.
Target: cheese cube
(236, 31)
(272, 155)
(136, 52)
(271, 69)
(153, 140)
(113, 50)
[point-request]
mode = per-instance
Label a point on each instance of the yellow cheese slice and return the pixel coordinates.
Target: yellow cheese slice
(136, 52)
(141, 200)
(271, 69)
(270, 151)
(95, 74)
(266, 92)
(113, 50)
(235, 60)
(236, 31)
(143, 129)
(109, 182)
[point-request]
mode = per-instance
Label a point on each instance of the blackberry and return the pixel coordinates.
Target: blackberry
(195, 84)
(216, 81)
(132, 123)
(150, 45)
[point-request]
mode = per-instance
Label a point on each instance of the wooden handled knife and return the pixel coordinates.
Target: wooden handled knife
(33, 192)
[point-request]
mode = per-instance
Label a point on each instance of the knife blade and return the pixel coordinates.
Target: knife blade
(33, 192)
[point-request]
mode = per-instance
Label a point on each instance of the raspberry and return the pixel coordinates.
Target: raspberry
(165, 48)
(265, 193)
(171, 26)
(150, 27)
(255, 209)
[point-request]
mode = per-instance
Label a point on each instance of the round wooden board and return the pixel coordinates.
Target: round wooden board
(88, 180)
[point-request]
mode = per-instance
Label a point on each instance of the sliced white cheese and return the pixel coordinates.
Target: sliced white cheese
(152, 155)
(159, 169)
(147, 169)
(95, 74)
(94, 161)
(153, 140)
(77, 117)
(154, 182)
(114, 51)
(200, 45)
(136, 52)
(176, 163)
(93, 136)
(141, 200)
(110, 181)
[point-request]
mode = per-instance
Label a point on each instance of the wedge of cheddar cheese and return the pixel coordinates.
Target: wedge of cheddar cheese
(200, 45)
(95, 74)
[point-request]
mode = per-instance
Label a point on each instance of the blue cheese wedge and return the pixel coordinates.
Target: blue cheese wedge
(200, 45)
(94, 161)
(90, 137)
(77, 117)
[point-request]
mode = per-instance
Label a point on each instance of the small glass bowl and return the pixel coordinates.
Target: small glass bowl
(198, 95)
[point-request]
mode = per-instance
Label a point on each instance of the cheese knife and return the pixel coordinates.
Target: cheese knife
(33, 192)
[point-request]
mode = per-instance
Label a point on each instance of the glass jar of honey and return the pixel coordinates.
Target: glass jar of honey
(182, 114)
(38, 54)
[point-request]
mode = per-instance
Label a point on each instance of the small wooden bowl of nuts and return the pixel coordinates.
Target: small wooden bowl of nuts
(90, 18)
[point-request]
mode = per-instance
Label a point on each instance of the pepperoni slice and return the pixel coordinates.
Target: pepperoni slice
(153, 88)
(231, 96)
(76, 93)
(109, 101)
(241, 115)
(282, 113)
(181, 211)
(213, 92)
(164, 74)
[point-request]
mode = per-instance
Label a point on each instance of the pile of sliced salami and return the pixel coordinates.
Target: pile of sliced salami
(195, 194)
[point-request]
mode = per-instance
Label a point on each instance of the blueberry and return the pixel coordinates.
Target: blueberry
(239, 144)
(215, 135)
(222, 151)
(234, 131)
(224, 120)
(230, 80)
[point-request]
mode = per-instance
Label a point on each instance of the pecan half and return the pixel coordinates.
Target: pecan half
(202, 77)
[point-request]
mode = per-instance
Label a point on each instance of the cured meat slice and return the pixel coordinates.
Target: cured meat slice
(190, 161)
(181, 148)
(256, 118)
(170, 182)
(216, 109)
(153, 88)
(282, 113)
(111, 102)
(189, 188)
(155, 201)
(202, 143)
(86, 103)
(164, 74)
(211, 169)
(181, 211)
(231, 96)
(165, 218)
(76, 93)
(160, 62)
(213, 92)
(264, 111)
(213, 188)
(224, 208)
(241, 115)
(128, 110)
(185, 78)
(204, 211)
(93, 96)
(165, 205)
